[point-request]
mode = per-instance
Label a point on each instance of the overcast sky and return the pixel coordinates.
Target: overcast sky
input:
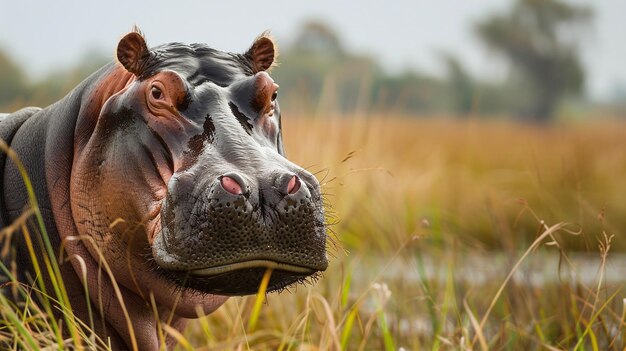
(44, 35)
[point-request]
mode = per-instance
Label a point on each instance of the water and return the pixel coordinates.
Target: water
(476, 269)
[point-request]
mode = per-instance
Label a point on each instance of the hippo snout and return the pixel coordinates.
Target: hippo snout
(221, 235)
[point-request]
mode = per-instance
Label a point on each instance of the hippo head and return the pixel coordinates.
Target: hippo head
(191, 178)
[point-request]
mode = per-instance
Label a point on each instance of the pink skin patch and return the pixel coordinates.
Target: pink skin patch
(231, 185)
(293, 186)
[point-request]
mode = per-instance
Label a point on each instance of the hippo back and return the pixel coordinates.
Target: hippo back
(9, 125)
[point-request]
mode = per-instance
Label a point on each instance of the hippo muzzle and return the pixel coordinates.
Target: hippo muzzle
(220, 233)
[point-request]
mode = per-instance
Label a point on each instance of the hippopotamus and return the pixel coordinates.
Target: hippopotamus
(164, 175)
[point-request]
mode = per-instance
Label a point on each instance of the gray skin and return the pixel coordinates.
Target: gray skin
(168, 165)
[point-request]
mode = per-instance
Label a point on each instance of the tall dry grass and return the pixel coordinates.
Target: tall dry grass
(469, 179)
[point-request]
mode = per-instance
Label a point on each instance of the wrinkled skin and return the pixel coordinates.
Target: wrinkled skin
(179, 182)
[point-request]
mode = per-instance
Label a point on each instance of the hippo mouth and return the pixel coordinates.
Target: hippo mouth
(242, 278)
(267, 264)
(221, 243)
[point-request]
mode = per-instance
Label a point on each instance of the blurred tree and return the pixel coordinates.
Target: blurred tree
(318, 38)
(539, 38)
(59, 82)
(409, 93)
(16, 91)
(461, 85)
(14, 84)
(317, 75)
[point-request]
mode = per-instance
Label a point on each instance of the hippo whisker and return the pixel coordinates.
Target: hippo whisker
(324, 171)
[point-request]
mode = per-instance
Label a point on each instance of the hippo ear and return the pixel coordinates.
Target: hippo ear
(132, 52)
(262, 54)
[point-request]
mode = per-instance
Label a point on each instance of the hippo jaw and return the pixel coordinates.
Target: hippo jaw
(217, 242)
(242, 278)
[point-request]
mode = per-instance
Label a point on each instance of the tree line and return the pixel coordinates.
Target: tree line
(319, 76)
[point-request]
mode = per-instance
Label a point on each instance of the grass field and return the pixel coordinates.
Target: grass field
(447, 234)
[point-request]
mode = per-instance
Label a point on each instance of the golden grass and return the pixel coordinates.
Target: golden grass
(470, 179)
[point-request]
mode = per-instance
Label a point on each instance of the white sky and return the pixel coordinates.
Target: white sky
(44, 35)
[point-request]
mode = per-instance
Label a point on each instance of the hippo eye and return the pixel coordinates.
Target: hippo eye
(275, 95)
(156, 93)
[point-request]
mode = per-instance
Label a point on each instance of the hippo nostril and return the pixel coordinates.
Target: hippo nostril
(294, 185)
(231, 185)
